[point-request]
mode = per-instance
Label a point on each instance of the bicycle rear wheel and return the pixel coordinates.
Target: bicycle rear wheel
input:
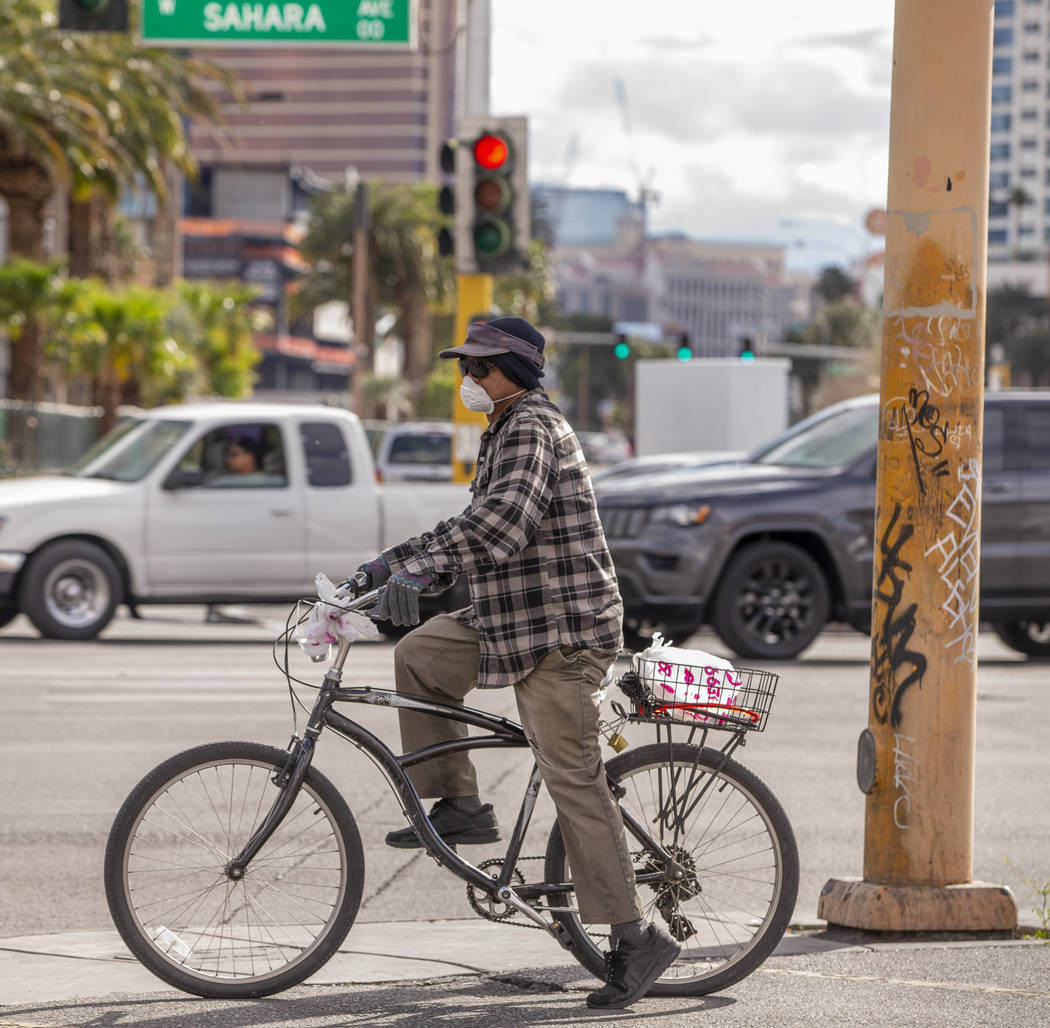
(732, 840)
(191, 924)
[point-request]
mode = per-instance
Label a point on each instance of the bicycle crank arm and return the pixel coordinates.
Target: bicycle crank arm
(508, 896)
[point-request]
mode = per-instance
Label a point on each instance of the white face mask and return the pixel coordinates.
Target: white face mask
(474, 396)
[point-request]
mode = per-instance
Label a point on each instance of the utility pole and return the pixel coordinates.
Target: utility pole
(915, 760)
(361, 219)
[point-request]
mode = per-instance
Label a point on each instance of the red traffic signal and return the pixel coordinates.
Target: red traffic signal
(491, 152)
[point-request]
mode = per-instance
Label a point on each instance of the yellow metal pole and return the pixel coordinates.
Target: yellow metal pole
(473, 298)
(916, 758)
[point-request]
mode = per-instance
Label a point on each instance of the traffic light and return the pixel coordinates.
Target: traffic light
(93, 15)
(622, 349)
(492, 195)
(747, 352)
(447, 198)
(684, 351)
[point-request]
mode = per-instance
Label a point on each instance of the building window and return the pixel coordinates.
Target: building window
(1031, 56)
(1029, 115)
(1000, 122)
(1000, 151)
(1004, 8)
(1003, 37)
(997, 235)
(1027, 230)
(1030, 86)
(1028, 173)
(998, 209)
(1046, 206)
(1028, 144)
(1003, 94)
(1001, 179)
(1031, 26)
(1002, 65)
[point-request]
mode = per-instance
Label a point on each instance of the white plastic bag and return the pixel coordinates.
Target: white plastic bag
(329, 621)
(694, 684)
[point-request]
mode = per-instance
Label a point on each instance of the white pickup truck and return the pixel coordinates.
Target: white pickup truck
(204, 503)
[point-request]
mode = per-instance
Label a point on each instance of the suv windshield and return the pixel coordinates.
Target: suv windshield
(829, 442)
(128, 452)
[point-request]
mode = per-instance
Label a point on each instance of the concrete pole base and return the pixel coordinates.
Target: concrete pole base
(969, 907)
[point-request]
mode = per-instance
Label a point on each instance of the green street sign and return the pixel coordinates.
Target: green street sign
(279, 23)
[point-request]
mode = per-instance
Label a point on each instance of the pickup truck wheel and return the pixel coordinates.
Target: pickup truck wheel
(1029, 637)
(70, 590)
(772, 602)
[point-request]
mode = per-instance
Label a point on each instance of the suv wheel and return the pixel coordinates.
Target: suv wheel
(70, 590)
(1028, 637)
(772, 602)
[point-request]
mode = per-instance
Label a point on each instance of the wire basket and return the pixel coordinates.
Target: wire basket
(734, 699)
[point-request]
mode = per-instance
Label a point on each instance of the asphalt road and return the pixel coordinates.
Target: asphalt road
(82, 722)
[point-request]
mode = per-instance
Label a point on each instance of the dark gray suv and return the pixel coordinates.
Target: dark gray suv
(770, 549)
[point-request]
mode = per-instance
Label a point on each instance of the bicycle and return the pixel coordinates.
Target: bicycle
(235, 869)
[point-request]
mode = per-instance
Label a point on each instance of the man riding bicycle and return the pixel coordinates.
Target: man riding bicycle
(545, 618)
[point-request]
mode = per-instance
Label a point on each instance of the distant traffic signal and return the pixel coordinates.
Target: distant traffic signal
(622, 349)
(447, 197)
(492, 195)
(747, 352)
(93, 15)
(684, 351)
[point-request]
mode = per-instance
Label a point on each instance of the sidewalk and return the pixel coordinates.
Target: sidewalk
(40, 970)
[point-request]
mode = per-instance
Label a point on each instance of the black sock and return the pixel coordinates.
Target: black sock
(466, 804)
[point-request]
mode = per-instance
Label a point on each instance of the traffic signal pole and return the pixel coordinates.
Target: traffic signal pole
(473, 297)
(916, 758)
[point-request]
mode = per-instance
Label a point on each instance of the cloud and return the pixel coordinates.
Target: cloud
(666, 43)
(782, 97)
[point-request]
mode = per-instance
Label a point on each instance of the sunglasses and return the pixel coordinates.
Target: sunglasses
(474, 366)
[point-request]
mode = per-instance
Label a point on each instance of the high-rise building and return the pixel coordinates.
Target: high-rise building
(312, 117)
(1019, 183)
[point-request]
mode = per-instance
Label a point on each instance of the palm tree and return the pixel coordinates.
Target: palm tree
(406, 275)
(90, 112)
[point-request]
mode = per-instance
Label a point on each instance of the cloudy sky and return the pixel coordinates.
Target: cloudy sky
(743, 116)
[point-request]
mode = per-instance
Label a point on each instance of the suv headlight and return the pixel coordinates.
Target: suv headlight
(683, 514)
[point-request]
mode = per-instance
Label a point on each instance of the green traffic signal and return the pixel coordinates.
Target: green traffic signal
(622, 350)
(491, 238)
(683, 353)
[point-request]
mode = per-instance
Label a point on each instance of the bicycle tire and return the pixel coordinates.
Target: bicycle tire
(194, 927)
(739, 852)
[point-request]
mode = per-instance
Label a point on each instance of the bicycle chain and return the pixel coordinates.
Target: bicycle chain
(509, 912)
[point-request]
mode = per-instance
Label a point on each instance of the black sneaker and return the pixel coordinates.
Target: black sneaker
(631, 970)
(454, 826)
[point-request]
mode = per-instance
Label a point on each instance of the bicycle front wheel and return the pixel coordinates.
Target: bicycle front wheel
(732, 845)
(197, 928)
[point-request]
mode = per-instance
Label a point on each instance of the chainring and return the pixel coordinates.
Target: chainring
(484, 904)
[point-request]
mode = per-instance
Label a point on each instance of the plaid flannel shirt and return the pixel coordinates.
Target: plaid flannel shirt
(540, 572)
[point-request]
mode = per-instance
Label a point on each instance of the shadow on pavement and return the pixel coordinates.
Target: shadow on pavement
(460, 1002)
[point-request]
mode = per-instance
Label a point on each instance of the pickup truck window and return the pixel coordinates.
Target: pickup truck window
(129, 452)
(246, 455)
(324, 449)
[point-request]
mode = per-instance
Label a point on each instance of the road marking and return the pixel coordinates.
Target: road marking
(881, 980)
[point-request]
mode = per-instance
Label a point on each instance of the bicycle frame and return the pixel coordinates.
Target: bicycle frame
(503, 733)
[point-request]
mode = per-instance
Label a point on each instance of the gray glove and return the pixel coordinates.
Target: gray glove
(399, 598)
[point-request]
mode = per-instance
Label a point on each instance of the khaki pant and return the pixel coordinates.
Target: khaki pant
(558, 704)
